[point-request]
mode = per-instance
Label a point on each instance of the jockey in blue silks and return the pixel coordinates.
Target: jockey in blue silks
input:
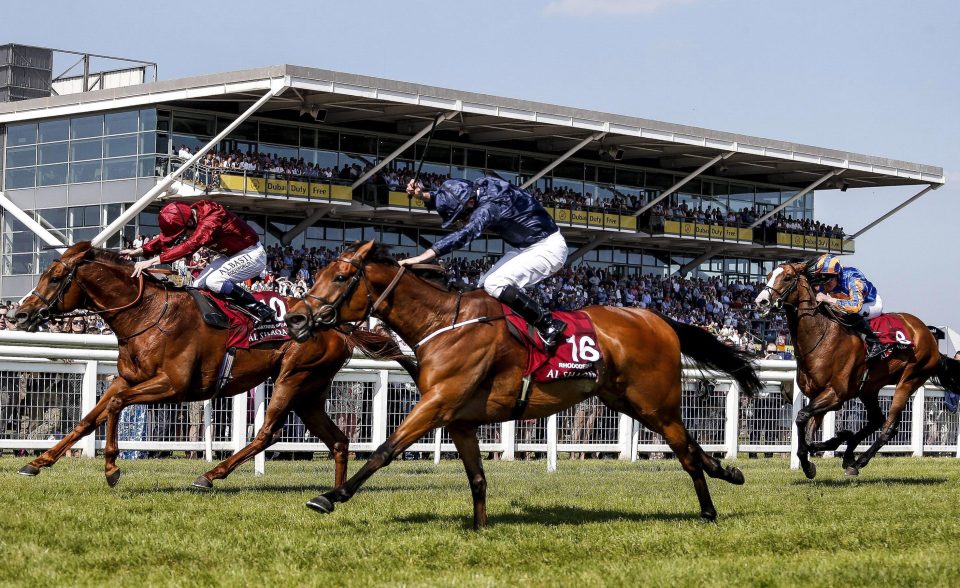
(847, 290)
(535, 247)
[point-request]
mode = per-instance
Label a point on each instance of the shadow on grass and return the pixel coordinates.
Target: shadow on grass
(551, 516)
(855, 481)
(225, 488)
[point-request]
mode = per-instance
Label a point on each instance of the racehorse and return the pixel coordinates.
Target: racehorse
(471, 375)
(168, 354)
(831, 368)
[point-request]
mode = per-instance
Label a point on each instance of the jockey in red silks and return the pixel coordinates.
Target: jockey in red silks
(847, 290)
(185, 228)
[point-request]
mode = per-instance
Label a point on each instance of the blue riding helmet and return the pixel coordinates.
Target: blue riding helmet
(451, 198)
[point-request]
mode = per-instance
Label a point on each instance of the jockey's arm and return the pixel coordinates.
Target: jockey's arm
(481, 218)
(852, 303)
(201, 236)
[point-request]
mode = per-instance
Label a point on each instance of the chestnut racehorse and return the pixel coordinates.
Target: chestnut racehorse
(831, 367)
(168, 354)
(471, 375)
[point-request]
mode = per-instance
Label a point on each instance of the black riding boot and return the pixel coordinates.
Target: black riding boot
(860, 324)
(550, 329)
(245, 299)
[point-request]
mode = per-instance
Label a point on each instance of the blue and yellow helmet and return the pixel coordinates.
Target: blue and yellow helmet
(828, 265)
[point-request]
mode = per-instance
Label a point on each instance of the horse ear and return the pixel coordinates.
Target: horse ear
(365, 250)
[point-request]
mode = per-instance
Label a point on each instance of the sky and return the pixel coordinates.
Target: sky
(870, 76)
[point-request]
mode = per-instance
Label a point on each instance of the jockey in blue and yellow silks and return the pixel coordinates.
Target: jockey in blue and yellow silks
(847, 290)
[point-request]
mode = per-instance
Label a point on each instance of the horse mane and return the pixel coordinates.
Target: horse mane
(109, 256)
(381, 253)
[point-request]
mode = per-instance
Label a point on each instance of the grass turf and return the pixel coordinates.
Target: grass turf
(590, 523)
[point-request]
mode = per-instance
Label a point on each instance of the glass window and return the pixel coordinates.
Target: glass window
(21, 156)
(84, 234)
(327, 140)
(279, 134)
(120, 146)
(22, 242)
(361, 144)
(86, 126)
(24, 177)
(83, 150)
(148, 167)
(21, 264)
(279, 150)
(117, 169)
(118, 123)
(247, 131)
(52, 175)
(57, 217)
(86, 171)
(191, 142)
(319, 158)
(148, 119)
(629, 177)
(55, 130)
(85, 216)
(53, 153)
(386, 146)
(508, 162)
(193, 124)
(768, 197)
(476, 158)
(22, 134)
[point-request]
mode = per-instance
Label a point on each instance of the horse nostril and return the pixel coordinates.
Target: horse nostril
(296, 320)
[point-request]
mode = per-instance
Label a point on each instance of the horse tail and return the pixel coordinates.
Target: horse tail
(380, 345)
(708, 352)
(947, 374)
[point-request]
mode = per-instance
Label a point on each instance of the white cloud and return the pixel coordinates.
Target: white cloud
(610, 7)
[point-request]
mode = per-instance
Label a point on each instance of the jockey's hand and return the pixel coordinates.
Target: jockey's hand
(415, 188)
(422, 258)
(129, 254)
(822, 297)
(144, 265)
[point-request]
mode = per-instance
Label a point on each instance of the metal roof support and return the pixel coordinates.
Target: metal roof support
(797, 196)
(305, 224)
(401, 149)
(588, 247)
(902, 205)
(681, 183)
(277, 86)
(708, 254)
(48, 237)
(562, 158)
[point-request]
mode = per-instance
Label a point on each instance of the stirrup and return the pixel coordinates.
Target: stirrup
(553, 336)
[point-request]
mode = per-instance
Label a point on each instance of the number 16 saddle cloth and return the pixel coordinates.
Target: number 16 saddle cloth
(577, 356)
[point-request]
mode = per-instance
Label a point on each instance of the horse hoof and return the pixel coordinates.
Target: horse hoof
(735, 476)
(851, 471)
(202, 483)
(810, 470)
(29, 470)
(113, 478)
(709, 516)
(321, 504)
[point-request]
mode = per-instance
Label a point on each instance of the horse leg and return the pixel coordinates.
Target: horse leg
(678, 439)
(875, 418)
(156, 389)
(714, 467)
(468, 446)
(425, 416)
(823, 403)
(87, 424)
(320, 424)
(901, 395)
(269, 433)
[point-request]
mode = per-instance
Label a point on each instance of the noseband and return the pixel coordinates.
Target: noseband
(328, 315)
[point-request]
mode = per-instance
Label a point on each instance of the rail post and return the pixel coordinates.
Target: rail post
(437, 438)
(916, 430)
(552, 443)
(259, 414)
(508, 438)
(88, 399)
(829, 429)
(624, 436)
(238, 422)
(795, 434)
(379, 405)
(731, 431)
(208, 430)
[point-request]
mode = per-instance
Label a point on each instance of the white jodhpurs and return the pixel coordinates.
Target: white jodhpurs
(249, 263)
(872, 309)
(523, 267)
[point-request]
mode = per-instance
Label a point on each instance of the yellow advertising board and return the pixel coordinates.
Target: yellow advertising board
(672, 227)
(745, 234)
(628, 222)
(405, 200)
(611, 221)
(232, 183)
(836, 244)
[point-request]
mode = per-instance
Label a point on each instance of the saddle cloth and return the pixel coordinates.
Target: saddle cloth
(242, 333)
(578, 356)
(891, 330)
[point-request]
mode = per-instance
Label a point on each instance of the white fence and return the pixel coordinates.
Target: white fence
(47, 381)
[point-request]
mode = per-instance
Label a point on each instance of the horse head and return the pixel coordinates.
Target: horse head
(57, 290)
(341, 292)
(784, 287)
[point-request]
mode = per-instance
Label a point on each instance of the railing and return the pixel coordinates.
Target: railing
(42, 399)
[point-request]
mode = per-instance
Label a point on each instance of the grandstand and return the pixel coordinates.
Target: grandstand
(316, 159)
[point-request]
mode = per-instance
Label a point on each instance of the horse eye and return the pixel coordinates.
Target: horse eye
(55, 279)
(340, 278)
(787, 278)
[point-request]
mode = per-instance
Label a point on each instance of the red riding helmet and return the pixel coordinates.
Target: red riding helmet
(174, 218)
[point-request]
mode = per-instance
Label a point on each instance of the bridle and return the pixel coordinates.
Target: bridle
(328, 315)
(800, 310)
(56, 299)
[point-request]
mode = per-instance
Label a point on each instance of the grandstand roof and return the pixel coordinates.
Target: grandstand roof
(363, 102)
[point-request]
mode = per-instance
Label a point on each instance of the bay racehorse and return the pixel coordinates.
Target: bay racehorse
(471, 375)
(168, 354)
(831, 368)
